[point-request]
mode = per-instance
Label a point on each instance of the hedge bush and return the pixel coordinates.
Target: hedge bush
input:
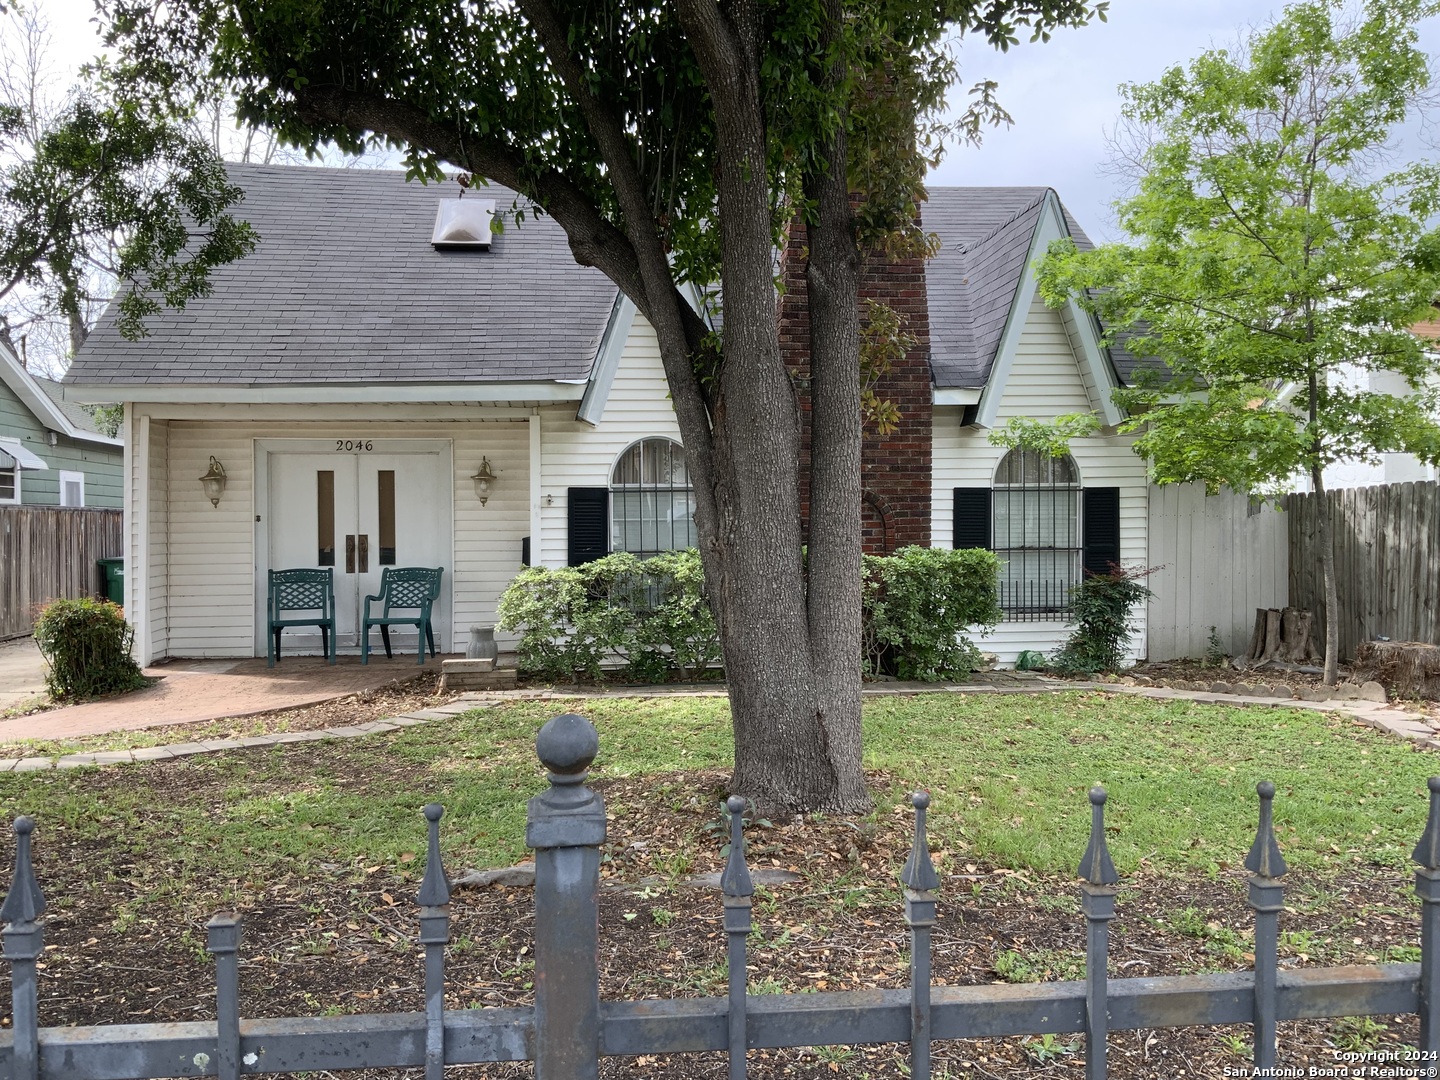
(651, 616)
(86, 644)
(920, 605)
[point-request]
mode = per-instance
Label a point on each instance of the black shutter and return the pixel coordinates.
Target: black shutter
(972, 518)
(525, 551)
(1101, 519)
(589, 512)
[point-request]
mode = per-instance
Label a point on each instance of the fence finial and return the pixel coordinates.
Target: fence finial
(1427, 851)
(735, 881)
(25, 902)
(1265, 858)
(919, 872)
(1095, 865)
(434, 888)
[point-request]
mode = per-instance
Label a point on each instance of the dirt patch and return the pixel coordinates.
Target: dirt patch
(341, 938)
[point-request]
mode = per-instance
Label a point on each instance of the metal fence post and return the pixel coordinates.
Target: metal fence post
(223, 941)
(434, 902)
(1097, 900)
(566, 826)
(1267, 897)
(921, 885)
(1427, 886)
(24, 943)
(737, 888)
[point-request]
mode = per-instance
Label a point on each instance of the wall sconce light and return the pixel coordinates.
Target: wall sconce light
(214, 481)
(484, 481)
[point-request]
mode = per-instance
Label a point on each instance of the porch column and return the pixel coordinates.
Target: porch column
(537, 515)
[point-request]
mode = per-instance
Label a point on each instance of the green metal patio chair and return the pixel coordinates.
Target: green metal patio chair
(405, 588)
(310, 591)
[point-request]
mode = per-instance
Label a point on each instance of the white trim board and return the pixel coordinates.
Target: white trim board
(507, 393)
(607, 362)
(1050, 226)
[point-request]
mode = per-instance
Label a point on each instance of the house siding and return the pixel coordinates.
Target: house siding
(574, 454)
(101, 465)
(201, 581)
(1046, 381)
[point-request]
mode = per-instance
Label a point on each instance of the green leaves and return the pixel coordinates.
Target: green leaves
(651, 615)
(921, 604)
(1268, 257)
(119, 189)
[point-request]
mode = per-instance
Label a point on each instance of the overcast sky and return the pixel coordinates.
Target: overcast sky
(1062, 94)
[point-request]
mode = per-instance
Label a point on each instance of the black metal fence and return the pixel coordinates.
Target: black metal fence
(569, 1029)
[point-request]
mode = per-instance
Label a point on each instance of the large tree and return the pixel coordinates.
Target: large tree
(1271, 258)
(93, 193)
(671, 141)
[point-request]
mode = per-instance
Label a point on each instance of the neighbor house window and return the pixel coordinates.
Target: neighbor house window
(1037, 533)
(72, 488)
(9, 484)
(652, 506)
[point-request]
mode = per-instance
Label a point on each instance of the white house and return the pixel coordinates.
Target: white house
(383, 347)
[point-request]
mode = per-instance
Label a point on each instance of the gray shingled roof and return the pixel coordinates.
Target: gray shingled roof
(985, 235)
(76, 413)
(344, 287)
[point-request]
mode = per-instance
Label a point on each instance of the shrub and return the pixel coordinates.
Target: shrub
(919, 606)
(86, 644)
(652, 616)
(1102, 604)
(649, 614)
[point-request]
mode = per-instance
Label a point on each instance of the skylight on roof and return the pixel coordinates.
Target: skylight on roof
(463, 223)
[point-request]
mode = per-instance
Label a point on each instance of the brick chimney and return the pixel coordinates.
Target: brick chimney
(896, 467)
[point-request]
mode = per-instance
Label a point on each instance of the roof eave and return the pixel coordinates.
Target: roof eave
(24, 386)
(553, 390)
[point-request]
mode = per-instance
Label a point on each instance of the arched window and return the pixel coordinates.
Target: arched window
(1037, 533)
(652, 506)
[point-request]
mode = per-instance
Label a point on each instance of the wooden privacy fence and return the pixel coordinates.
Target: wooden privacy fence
(48, 553)
(1387, 561)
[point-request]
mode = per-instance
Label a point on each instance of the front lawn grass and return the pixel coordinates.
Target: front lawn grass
(320, 846)
(1008, 775)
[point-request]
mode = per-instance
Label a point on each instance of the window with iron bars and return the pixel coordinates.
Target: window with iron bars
(1036, 522)
(652, 505)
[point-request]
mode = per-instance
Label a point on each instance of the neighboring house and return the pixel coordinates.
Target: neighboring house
(51, 451)
(383, 353)
(1384, 468)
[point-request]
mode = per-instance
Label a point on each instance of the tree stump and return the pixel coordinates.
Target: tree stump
(1287, 635)
(1411, 669)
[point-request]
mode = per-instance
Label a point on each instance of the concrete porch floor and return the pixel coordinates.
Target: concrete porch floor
(194, 690)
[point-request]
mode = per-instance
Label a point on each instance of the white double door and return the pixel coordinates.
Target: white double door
(357, 509)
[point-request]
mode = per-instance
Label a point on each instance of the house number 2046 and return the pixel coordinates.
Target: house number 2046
(350, 446)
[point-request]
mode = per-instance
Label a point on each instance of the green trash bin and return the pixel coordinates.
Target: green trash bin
(112, 579)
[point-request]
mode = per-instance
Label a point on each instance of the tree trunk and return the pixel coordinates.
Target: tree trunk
(1324, 520)
(787, 757)
(835, 546)
(1297, 631)
(1325, 523)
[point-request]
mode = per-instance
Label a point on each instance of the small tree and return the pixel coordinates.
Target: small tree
(1268, 260)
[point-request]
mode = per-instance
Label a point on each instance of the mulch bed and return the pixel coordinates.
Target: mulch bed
(341, 938)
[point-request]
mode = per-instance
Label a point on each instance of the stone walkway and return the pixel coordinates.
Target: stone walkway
(1383, 718)
(190, 691)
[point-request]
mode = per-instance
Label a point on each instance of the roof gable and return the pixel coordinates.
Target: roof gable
(42, 398)
(976, 281)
